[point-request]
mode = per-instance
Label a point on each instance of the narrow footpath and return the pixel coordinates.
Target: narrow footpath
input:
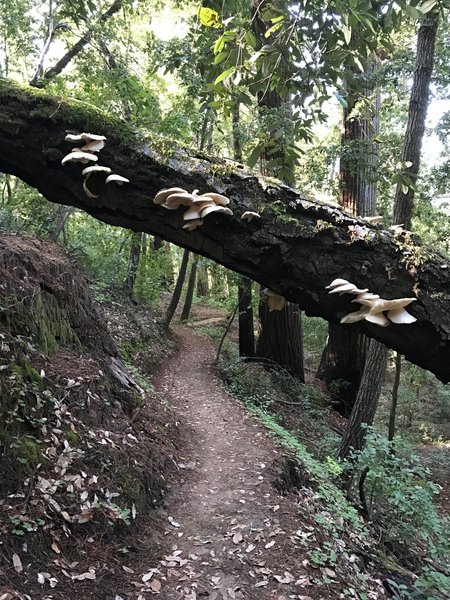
(231, 534)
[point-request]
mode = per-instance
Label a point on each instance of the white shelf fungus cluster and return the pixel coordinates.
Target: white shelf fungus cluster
(198, 206)
(373, 308)
(90, 143)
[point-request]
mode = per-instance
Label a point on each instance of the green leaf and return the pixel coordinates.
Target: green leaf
(225, 74)
(427, 6)
(209, 17)
(250, 38)
(215, 104)
(254, 156)
(342, 101)
(221, 57)
(347, 33)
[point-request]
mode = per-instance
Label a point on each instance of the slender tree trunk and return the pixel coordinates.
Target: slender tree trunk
(51, 30)
(177, 291)
(282, 341)
(61, 217)
(393, 411)
(246, 328)
(367, 399)
(415, 128)
(190, 290)
(133, 262)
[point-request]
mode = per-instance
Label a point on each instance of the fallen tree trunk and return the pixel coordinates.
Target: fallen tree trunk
(297, 247)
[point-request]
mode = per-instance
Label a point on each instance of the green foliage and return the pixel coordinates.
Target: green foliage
(400, 501)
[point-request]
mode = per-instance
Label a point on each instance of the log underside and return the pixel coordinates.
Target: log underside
(297, 248)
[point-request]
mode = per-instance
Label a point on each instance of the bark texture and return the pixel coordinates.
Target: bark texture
(190, 290)
(417, 112)
(367, 399)
(297, 247)
(282, 341)
(177, 291)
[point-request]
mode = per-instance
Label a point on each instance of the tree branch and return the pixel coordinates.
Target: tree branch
(297, 247)
(76, 48)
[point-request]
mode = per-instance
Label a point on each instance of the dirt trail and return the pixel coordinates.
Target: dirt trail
(227, 521)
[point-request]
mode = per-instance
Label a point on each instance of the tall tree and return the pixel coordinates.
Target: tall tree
(343, 360)
(170, 312)
(415, 127)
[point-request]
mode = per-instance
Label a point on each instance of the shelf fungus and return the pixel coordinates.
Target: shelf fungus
(79, 156)
(87, 172)
(373, 309)
(249, 215)
(275, 301)
(116, 179)
(198, 205)
(91, 141)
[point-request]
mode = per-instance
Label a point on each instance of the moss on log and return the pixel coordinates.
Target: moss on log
(296, 248)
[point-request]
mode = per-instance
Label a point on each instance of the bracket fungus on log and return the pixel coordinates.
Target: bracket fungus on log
(198, 206)
(373, 307)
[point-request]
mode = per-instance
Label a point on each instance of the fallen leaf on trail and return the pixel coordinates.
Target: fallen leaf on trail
(270, 544)
(173, 522)
(127, 569)
(155, 585)
(147, 576)
(41, 578)
(83, 576)
(215, 580)
(231, 593)
(250, 547)
(329, 572)
(286, 578)
(262, 583)
(303, 581)
(6, 596)
(55, 548)
(275, 508)
(237, 537)
(85, 516)
(17, 563)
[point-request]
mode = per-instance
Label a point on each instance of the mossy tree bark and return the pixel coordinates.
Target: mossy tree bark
(297, 247)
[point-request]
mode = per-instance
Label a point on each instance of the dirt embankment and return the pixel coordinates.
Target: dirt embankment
(84, 449)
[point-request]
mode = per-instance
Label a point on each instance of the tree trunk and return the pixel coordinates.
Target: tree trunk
(281, 338)
(190, 290)
(342, 366)
(415, 128)
(177, 291)
(296, 250)
(246, 327)
(393, 411)
(367, 399)
(133, 263)
(61, 217)
(202, 282)
(343, 359)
